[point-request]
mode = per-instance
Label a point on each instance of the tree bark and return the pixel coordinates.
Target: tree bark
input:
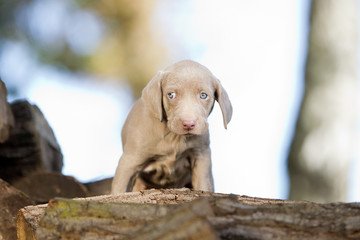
(324, 140)
(187, 214)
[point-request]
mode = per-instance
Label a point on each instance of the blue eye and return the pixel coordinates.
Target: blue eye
(171, 95)
(203, 96)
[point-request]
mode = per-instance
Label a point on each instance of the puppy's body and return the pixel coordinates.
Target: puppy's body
(165, 137)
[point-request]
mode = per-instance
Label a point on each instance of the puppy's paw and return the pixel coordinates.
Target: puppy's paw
(156, 174)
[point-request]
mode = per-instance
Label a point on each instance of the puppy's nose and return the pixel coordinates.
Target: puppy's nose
(188, 124)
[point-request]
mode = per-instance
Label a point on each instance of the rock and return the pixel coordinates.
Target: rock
(6, 117)
(31, 147)
(11, 200)
(102, 187)
(44, 186)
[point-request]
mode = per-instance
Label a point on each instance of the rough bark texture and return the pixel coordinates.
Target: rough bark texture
(11, 200)
(186, 214)
(324, 141)
(31, 147)
(6, 117)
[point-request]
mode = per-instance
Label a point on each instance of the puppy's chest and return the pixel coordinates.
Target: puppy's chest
(172, 145)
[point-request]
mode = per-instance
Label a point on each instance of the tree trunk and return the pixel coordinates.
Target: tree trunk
(324, 140)
(187, 214)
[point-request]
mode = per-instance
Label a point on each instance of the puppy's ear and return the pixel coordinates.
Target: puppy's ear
(152, 96)
(223, 99)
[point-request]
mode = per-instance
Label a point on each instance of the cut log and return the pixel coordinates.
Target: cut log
(32, 146)
(44, 186)
(11, 200)
(102, 187)
(187, 214)
(186, 222)
(27, 221)
(6, 116)
(65, 219)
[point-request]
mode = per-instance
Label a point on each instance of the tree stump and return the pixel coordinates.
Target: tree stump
(187, 214)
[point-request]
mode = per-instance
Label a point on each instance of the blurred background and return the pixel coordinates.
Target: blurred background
(289, 67)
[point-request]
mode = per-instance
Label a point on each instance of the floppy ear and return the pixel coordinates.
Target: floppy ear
(223, 99)
(152, 96)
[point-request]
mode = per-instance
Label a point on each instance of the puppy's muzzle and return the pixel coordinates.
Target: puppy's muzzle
(188, 125)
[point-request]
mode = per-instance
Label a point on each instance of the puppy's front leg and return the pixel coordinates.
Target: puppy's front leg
(202, 178)
(127, 167)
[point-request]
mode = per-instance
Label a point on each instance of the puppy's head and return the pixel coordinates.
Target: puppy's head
(184, 95)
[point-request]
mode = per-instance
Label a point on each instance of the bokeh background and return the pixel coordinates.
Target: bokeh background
(84, 63)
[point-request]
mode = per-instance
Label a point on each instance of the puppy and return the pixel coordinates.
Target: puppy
(165, 136)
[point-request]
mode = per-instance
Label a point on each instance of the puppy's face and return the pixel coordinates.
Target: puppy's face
(183, 95)
(188, 98)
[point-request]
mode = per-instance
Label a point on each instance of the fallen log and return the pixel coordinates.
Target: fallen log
(187, 214)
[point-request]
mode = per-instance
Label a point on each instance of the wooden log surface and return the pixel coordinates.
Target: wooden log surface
(31, 147)
(44, 186)
(11, 200)
(187, 214)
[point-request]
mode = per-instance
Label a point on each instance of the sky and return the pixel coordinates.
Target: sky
(257, 50)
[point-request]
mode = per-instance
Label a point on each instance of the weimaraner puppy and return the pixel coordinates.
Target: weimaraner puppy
(165, 136)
